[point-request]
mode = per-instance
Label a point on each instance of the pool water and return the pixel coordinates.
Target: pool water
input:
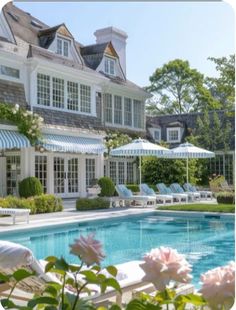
(207, 243)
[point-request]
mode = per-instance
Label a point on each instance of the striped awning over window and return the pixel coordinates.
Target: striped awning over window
(71, 144)
(10, 139)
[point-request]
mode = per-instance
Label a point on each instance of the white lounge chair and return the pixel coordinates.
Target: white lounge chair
(204, 194)
(127, 196)
(176, 188)
(14, 256)
(15, 212)
(163, 189)
(146, 190)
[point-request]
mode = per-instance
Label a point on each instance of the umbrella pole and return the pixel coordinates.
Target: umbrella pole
(140, 170)
(187, 173)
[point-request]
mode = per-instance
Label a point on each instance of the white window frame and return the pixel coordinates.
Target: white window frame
(154, 136)
(65, 102)
(118, 113)
(169, 129)
(63, 48)
(109, 65)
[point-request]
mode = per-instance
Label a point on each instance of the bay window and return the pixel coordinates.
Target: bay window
(108, 108)
(72, 96)
(137, 114)
(127, 112)
(85, 98)
(57, 92)
(43, 89)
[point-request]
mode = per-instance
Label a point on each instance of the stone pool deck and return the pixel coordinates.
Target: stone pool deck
(70, 215)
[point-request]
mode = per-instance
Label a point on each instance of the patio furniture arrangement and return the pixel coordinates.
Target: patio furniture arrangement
(146, 190)
(125, 195)
(15, 212)
(164, 190)
(176, 188)
(204, 194)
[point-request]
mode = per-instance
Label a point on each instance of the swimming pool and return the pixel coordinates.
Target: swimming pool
(207, 243)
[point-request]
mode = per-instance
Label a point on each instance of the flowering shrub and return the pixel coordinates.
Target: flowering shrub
(160, 266)
(28, 123)
(114, 140)
(163, 265)
(218, 286)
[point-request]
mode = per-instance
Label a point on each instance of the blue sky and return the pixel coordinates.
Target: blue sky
(158, 31)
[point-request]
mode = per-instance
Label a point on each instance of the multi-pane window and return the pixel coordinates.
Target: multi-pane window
(85, 98)
(173, 134)
(117, 110)
(41, 170)
(108, 108)
(222, 164)
(13, 174)
(109, 66)
(59, 175)
(130, 173)
(72, 96)
(157, 135)
(9, 71)
(137, 114)
(57, 92)
(90, 171)
(127, 112)
(113, 171)
(43, 89)
(73, 175)
(121, 172)
(62, 47)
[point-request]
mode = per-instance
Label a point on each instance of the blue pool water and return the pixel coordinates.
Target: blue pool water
(207, 243)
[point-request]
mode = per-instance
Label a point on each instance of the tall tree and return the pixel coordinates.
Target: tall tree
(223, 87)
(178, 89)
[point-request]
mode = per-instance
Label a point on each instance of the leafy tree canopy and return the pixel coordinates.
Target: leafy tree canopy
(178, 89)
(223, 87)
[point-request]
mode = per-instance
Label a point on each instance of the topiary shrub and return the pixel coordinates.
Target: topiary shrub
(225, 197)
(29, 187)
(107, 187)
(83, 204)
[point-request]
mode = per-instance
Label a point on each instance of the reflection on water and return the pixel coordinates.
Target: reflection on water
(206, 243)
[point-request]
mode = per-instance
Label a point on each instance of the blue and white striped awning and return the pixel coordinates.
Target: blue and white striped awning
(10, 139)
(71, 144)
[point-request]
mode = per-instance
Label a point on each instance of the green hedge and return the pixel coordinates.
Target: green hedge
(37, 204)
(107, 187)
(133, 187)
(225, 197)
(29, 187)
(91, 204)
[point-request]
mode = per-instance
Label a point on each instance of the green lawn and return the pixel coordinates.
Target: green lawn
(201, 207)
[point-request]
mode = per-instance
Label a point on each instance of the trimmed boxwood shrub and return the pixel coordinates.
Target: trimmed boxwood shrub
(107, 187)
(83, 204)
(29, 187)
(38, 204)
(225, 197)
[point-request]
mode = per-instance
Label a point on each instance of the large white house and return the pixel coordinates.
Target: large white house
(80, 91)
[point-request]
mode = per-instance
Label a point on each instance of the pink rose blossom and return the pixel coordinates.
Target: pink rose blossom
(88, 249)
(218, 286)
(163, 265)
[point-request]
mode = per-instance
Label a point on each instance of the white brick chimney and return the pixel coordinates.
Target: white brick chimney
(117, 38)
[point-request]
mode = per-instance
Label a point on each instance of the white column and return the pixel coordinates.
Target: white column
(50, 173)
(27, 162)
(99, 166)
(82, 176)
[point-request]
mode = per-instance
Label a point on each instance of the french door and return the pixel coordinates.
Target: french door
(66, 176)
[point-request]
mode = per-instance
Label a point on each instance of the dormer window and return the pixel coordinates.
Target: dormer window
(173, 134)
(63, 47)
(109, 66)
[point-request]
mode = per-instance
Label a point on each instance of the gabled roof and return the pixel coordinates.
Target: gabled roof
(93, 54)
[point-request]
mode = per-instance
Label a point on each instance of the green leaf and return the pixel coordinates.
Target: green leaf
(74, 268)
(42, 300)
(89, 276)
(112, 270)
(115, 307)
(4, 277)
(22, 274)
(61, 264)
(96, 268)
(136, 304)
(51, 259)
(194, 299)
(51, 290)
(113, 283)
(49, 266)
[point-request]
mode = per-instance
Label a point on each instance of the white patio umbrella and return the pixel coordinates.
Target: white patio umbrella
(140, 147)
(188, 151)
